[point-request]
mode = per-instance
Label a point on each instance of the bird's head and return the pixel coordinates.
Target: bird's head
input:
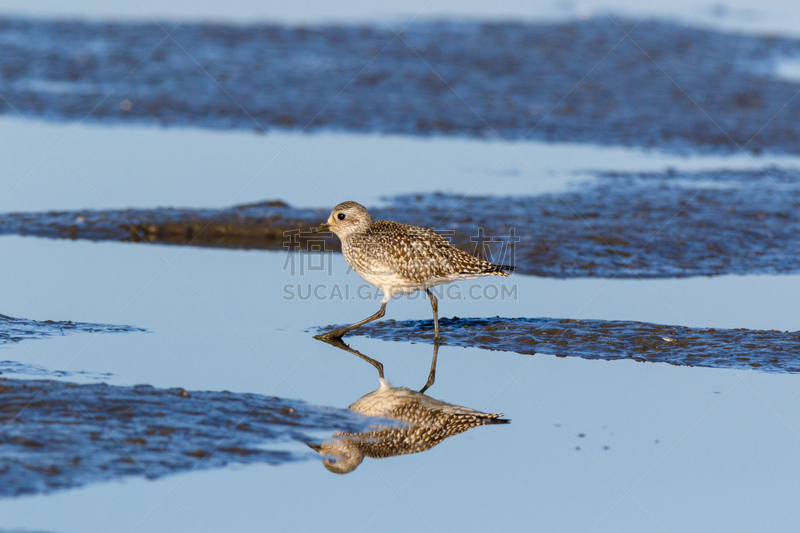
(340, 456)
(347, 218)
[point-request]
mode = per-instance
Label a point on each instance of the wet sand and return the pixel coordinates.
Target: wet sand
(18, 329)
(248, 226)
(767, 351)
(59, 435)
(665, 85)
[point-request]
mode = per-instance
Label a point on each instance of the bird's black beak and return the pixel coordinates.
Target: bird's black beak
(315, 447)
(323, 227)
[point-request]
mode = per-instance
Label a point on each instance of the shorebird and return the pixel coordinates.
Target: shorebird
(400, 259)
(425, 422)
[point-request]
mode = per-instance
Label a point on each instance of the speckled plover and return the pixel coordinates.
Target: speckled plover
(400, 259)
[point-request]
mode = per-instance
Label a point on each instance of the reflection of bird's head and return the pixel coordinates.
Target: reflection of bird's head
(343, 456)
(347, 218)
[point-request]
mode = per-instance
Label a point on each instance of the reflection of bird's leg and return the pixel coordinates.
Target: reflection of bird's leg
(432, 375)
(337, 333)
(435, 307)
(339, 343)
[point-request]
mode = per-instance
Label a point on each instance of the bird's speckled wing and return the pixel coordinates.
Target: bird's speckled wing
(427, 429)
(415, 253)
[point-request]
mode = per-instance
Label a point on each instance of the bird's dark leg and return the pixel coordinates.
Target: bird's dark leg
(339, 343)
(337, 333)
(432, 375)
(435, 307)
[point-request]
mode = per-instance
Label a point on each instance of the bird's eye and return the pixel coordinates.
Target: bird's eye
(341, 216)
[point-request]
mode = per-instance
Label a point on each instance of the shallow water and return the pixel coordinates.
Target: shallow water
(114, 167)
(211, 327)
(212, 324)
(772, 16)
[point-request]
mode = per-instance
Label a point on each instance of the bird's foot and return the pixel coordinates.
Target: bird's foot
(331, 335)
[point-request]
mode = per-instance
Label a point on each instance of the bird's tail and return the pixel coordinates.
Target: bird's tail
(499, 270)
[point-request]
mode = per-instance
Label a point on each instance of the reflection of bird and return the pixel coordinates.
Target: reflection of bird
(400, 259)
(425, 423)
